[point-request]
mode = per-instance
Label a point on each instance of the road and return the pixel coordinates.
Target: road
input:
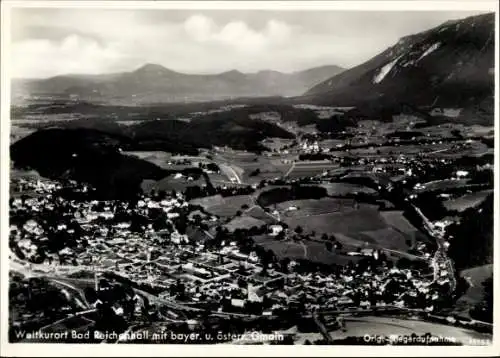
(82, 295)
(440, 254)
(322, 328)
(72, 315)
(437, 151)
(291, 169)
(230, 172)
(406, 326)
(28, 272)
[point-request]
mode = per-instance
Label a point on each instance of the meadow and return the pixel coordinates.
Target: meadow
(466, 201)
(364, 219)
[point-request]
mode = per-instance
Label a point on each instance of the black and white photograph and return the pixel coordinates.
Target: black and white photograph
(263, 175)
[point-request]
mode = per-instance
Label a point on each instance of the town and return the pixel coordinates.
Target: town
(251, 178)
(182, 257)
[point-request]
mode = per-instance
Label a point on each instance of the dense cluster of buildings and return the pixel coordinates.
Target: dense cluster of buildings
(183, 268)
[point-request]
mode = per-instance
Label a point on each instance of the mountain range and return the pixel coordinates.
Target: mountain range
(153, 83)
(451, 65)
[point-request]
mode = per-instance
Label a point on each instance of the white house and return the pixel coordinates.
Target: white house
(275, 229)
(236, 302)
(462, 173)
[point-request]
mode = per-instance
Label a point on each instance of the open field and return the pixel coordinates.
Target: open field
(314, 207)
(258, 213)
(156, 157)
(443, 185)
(18, 132)
(246, 164)
(339, 189)
(243, 222)
(223, 206)
(466, 201)
(310, 168)
(219, 179)
(162, 159)
(306, 250)
(276, 143)
(389, 238)
(268, 169)
(475, 277)
(232, 172)
(169, 183)
(208, 201)
(364, 219)
(159, 158)
(475, 148)
(230, 205)
(360, 225)
(397, 220)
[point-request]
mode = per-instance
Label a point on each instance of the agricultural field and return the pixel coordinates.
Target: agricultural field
(282, 249)
(314, 207)
(353, 224)
(475, 277)
(475, 148)
(397, 220)
(479, 130)
(232, 172)
(351, 241)
(310, 168)
(330, 143)
(363, 219)
(252, 168)
(268, 168)
(19, 132)
(276, 143)
(340, 189)
(226, 206)
(243, 222)
(309, 250)
(208, 201)
(219, 179)
(443, 185)
(258, 213)
(466, 201)
(169, 183)
(162, 159)
(389, 238)
(158, 158)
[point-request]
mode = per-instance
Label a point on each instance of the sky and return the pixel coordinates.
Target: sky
(47, 42)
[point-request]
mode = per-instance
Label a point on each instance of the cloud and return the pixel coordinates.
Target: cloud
(74, 54)
(237, 34)
(49, 42)
(199, 27)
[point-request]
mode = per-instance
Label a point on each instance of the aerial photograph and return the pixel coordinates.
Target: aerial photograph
(250, 177)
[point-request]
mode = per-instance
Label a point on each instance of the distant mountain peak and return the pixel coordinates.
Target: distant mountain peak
(152, 68)
(232, 73)
(267, 72)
